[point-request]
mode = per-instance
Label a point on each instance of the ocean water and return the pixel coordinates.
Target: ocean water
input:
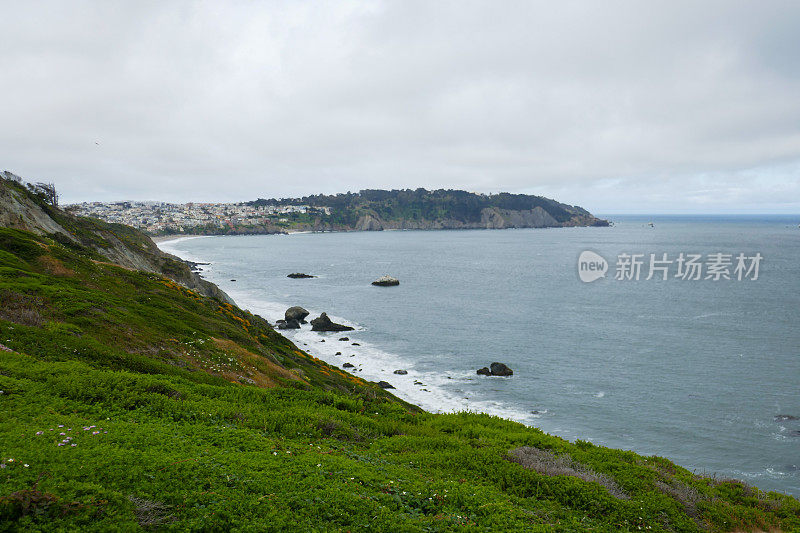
(695, 371)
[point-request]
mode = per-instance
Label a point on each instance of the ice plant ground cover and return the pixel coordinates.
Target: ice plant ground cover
(187, 413)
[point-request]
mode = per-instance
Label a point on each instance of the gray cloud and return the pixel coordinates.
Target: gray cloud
(618, 106)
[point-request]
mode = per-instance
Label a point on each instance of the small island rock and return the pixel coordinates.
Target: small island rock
(499, 369)
(323, 323)
(296, 313)
(496, 369)
(401, 372)
(386, 281)
(300, 275)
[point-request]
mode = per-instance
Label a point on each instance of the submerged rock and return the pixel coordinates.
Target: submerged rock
(385, 385)
(300, 275)
(386, 281)
(344, 338)
(401, 372)
(784, 418)
(323, 323)
(296, 313)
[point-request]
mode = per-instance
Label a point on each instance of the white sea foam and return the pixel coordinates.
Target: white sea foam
(434, 392)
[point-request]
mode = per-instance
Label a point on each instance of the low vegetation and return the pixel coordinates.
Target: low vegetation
(131, 402)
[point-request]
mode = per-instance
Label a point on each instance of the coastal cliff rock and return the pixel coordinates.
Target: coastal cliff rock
(489, 218)
(119, 244)
(496, 218)
(19, 212)
(369, 222)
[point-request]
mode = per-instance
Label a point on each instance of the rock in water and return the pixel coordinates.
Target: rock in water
(386, 281)
(323, 323)
(401, 372)
(289, 324)
(496, 369)
(296, 313)
(499, 369)
(385, 385)
(300, 275)
(348, 365)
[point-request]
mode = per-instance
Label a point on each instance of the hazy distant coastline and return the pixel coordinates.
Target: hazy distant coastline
(368, 210)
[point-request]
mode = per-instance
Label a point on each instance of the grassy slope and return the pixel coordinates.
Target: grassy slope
(189, 414)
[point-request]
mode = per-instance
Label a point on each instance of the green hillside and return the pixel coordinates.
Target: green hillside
(129, 401)
(438, 209)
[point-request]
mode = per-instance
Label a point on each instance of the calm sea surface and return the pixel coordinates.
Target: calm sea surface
(696, 371)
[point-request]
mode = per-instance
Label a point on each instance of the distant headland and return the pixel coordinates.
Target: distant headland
(367, 210)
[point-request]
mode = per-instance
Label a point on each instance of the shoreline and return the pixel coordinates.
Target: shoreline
(165, 238)
(422, 389)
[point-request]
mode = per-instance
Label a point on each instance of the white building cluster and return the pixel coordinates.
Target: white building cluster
(158, 217)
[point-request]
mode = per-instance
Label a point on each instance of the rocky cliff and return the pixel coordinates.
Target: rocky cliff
(490, 218)
(22, 208)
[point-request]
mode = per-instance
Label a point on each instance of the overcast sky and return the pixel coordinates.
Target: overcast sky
(616, 106)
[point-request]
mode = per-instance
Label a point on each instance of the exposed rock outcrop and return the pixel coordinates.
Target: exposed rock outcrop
(386, 281)
(323, 323)
(490, 218)
(300, 275)
(496, 369)
(296, 313)
(369, 222)
(119, 244)
(496, 218)
(499, 369)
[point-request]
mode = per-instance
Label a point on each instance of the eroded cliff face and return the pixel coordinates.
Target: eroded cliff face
(121, 245)
(491, 218)
(19, 212)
